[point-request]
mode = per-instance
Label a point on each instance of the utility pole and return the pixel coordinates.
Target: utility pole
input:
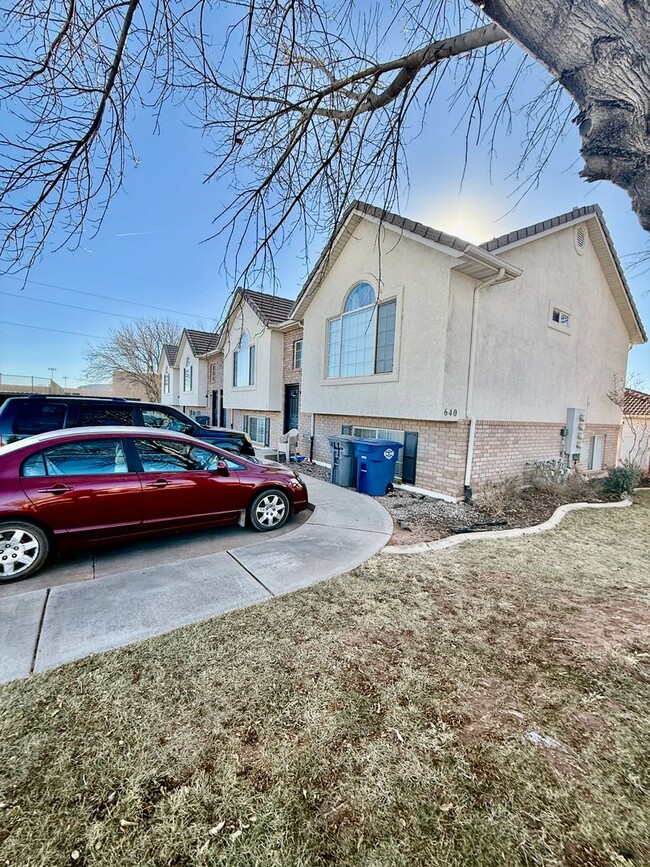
(51, 369)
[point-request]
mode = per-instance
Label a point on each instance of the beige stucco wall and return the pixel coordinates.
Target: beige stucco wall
(528, 371)
(266, 393)
(419, 278)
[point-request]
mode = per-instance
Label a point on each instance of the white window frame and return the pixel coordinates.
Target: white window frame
(166, 382)
(297, 350)
(592, 452)
(252, 358)
(564, 322)
(373, 325)
(187, 369)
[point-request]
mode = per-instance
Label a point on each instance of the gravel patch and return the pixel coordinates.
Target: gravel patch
(419, 518)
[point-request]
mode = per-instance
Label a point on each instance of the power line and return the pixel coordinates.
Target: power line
(71, 306)
(108, 298)
(55, 330)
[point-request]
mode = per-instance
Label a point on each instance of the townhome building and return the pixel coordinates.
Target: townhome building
(261, 348)
(481, 359)
(183, 370)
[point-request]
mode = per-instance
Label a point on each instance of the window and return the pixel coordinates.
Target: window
(257, 429)
(187, 376)
(165, 420)
(244, 364)
(34, 418)
(560, 319)
(86, 458)
(361, 341)
(213, 373)
(171, 456)
(166, 382)
(596, 451)
(297, 354)
(105, 415)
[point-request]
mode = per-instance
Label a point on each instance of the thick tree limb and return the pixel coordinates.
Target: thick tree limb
(599, 52)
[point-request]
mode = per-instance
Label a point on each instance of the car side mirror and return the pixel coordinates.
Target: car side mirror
(222, 469)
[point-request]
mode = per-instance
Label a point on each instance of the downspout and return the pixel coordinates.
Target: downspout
(469, 396)
(311, 437)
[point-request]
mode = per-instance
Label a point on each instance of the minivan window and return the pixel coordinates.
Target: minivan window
(104, 415)
(35, 417)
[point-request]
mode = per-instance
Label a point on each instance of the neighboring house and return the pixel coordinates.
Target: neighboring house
(216, 409)
(480, 359)
(635, 430)
(262, 359)
(168, 373)
(184, 376)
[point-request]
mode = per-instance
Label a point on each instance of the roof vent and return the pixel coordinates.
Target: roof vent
(580, 239)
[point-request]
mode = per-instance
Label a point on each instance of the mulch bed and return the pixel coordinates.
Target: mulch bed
(419, 518)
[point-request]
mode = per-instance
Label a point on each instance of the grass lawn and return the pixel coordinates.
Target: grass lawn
(377, 719)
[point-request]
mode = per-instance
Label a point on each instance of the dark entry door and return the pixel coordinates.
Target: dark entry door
(215, 419)
(291, 407)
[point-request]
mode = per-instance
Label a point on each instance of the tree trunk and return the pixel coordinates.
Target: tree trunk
(599, 51)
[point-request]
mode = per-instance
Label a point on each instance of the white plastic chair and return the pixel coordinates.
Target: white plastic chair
(288, 444)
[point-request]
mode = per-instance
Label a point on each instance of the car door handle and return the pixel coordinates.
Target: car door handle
(55, 489)
(160, 483)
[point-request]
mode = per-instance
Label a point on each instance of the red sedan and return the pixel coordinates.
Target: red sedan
(71, 488)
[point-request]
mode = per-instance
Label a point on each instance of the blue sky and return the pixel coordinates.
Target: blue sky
(148, 253)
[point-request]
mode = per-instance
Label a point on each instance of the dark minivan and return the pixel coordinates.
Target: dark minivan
(22, 417)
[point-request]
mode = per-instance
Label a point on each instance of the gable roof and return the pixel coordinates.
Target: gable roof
(170, 352)
(201, 342)
(471, 260)
(602, 243)
(636, 402)
(270, 309)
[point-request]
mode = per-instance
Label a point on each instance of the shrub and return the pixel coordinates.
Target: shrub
(496, 497)
(540, 473)
(621, 480)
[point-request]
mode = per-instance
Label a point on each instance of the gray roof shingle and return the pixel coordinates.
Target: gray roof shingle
(171, 352)
(271, 309)
(201, 341)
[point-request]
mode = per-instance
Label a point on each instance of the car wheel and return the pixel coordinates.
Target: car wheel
(269, 510)
(23, 549)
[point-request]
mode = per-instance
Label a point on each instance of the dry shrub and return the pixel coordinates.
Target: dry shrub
(496, 497)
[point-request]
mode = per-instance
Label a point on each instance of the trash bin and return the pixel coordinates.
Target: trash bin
(376, 461)
(343, 460)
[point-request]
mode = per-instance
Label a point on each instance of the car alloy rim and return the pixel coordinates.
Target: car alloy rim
(270, 510)
(18, 551)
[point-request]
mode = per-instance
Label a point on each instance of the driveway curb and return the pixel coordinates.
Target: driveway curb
(458, 539)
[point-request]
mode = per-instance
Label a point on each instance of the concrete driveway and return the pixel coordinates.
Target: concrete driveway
(96, 602)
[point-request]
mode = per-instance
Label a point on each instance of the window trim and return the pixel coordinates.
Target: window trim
(166, 382)
(562, 311)
(388, 376)
(295, 352)
(186, 368)
(252, 360)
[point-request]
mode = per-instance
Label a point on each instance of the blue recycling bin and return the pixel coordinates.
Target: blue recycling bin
(376, 461)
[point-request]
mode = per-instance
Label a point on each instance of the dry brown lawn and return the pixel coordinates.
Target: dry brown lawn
(378, 719)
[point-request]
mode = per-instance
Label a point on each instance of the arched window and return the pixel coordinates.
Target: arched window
(244, 363)
(361, 340)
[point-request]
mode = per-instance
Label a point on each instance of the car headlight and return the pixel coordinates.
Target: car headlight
(298, 480)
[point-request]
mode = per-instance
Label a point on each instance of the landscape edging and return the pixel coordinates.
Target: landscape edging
(459, 538)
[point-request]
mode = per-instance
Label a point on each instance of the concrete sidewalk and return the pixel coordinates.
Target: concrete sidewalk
(47, 627)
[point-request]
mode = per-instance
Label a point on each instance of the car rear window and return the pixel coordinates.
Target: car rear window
(84, 458)
(34, 418)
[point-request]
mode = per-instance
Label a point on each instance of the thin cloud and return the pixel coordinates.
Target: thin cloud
(131, 234)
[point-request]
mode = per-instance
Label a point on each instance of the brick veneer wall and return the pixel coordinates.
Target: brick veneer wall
(442, 447)
(290, 374)
(503, 448)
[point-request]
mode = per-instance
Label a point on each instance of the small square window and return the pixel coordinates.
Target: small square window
(560, 319)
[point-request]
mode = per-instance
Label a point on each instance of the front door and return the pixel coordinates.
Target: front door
(291, 407)
(215, 418)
